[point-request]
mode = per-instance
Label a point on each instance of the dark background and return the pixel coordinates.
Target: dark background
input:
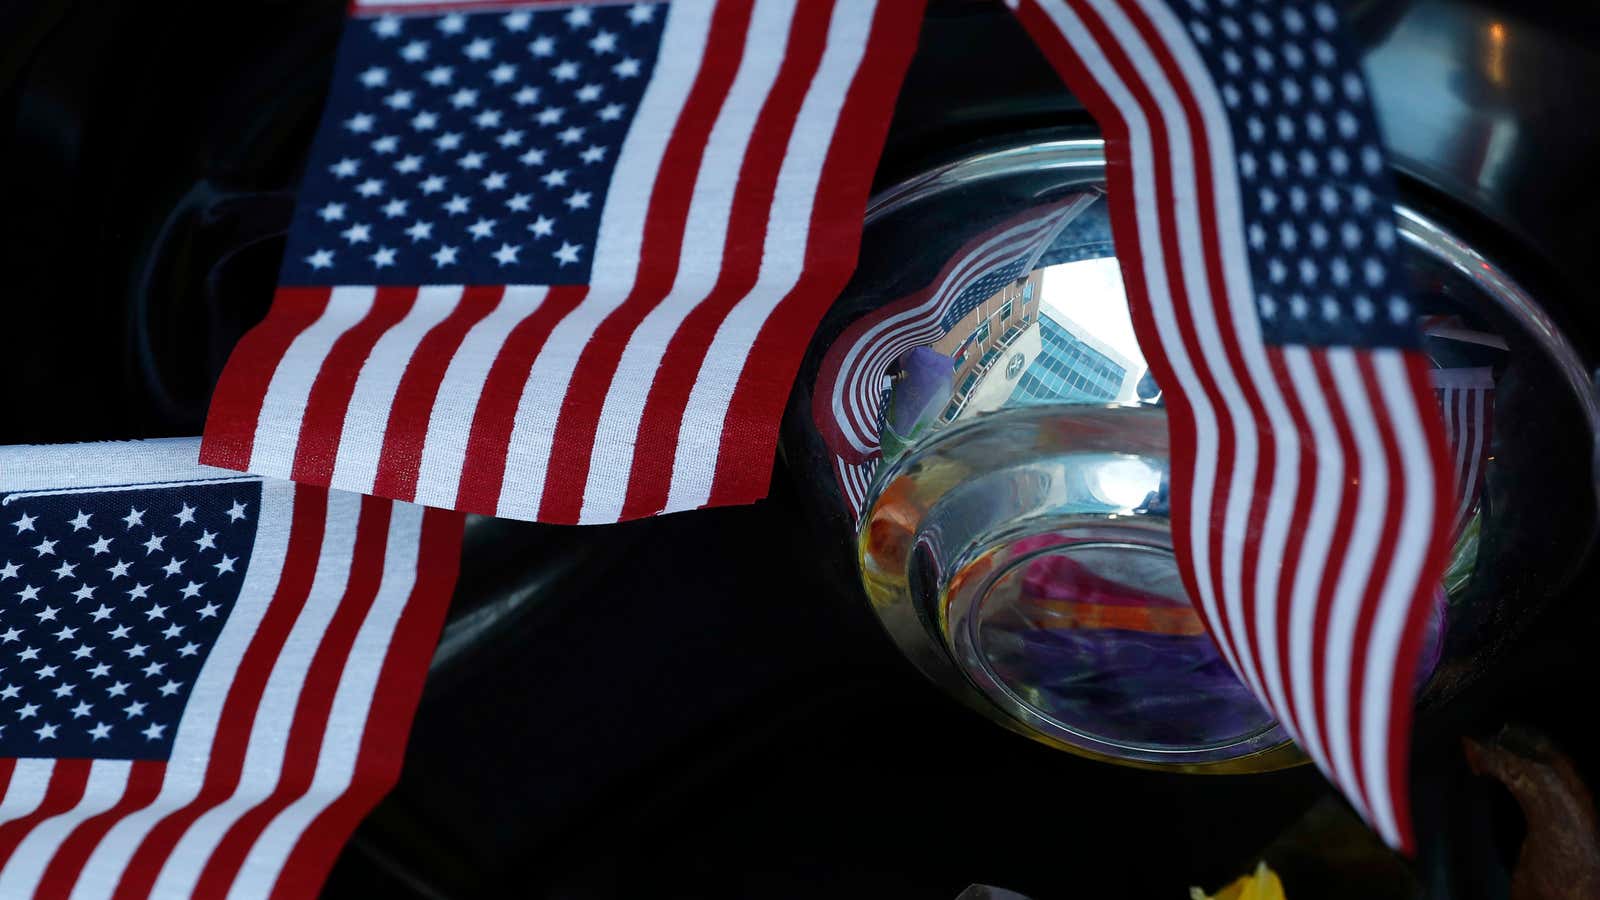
(701, 705)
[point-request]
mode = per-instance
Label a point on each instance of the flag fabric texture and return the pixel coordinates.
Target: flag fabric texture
(561, 262)
(206, 679)
(1252, 213)
(849, 401)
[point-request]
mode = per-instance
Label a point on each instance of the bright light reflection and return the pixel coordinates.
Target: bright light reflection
(1087, 297)
(1124, 483)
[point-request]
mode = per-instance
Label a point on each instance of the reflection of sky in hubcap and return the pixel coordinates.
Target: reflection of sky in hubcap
(1087, 298)
(1123, 483)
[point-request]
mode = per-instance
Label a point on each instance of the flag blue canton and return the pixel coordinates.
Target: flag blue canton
(110, 602)
(1315, 191)
(470, 148)
(983, 288)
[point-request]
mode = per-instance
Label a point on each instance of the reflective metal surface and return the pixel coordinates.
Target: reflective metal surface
(1014, 537)
(1035, 542)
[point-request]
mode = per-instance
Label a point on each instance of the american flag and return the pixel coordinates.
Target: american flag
(1252, 215)
(560, 262)
(848, 403)
(206, 679)
(1466, 401)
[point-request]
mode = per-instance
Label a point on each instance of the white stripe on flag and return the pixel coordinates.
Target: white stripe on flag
(707, 223)
(41, 470)
(269, 732)
(284, 405)
(191, 748)
(782, 261)
(1480, 377)
(855, 483)
(1356, 568)
(444, 450)
(30, 778)
(1327, 490)
(372, 400)
(347, 717)
(108, 779)
(616, 258)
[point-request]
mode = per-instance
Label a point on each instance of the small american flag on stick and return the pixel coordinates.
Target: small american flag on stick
(206, 679)
(560, 262)
(1253, 219)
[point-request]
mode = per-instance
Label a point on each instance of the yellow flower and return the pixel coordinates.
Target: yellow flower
(1262, 884)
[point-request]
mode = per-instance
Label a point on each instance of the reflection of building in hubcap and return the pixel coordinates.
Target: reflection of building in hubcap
(1007, 319)
(1059, 334)
(1013, 535)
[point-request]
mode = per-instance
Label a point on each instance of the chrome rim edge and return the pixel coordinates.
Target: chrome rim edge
(1415, 228)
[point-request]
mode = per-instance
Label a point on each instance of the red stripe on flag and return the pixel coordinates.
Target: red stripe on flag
(406, 431)
(567, 473)
(68, 778)
(223, 770)
(236, 402)
(750, 427)
(321, 427)
(1304, 499)
(61, 875)
(483, 472)
(394, 703)
(310, 722)
(651, 475)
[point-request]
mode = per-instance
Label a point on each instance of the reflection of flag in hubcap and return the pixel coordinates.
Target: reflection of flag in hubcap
(1252, 212)
(1466, 400)
(848, 403)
